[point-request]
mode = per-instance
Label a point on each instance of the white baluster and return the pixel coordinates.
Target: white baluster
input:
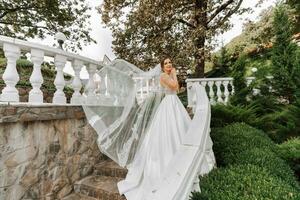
(102, 84)
(203, 83)
(190, 94)
(232, 87)
(226, 92)
(59, 96)
(10, 76)
(76, 97)
(36, 78)
(152, 84)
(219, 92)
(123, 92)
(211, 92)
(91, 96)
(108, 84)
(116, 88)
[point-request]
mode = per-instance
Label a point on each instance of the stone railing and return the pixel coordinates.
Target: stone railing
(12, 49)
(218, 89)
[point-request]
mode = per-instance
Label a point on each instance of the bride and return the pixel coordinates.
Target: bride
(161, 141)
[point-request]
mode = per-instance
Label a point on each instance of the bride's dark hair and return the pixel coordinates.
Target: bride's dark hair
(162, 61)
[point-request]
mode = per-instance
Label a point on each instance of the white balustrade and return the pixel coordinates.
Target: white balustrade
(216, 96)
(10, 76)
(38, 54)
(36, 78)
(77, 97)
(219, 95)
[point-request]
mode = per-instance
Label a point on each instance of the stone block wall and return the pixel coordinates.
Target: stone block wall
(44, 150)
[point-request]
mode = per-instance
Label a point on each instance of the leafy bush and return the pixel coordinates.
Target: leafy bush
(224, 115)
(233, 139)
(239, 82)
(279, 121)
(269, 160)
(244, 182)
(290, 151)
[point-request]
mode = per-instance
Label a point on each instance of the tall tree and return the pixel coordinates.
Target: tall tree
(143, 30)
(296, 5)
(38, 18)
(285, 58)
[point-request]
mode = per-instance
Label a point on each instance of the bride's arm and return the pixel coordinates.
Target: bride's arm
(169, 82)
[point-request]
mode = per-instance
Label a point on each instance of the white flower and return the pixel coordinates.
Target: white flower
(254, 69)
(189, 71)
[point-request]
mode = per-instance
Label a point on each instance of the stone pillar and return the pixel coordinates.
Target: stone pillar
(211, 92)
(91, 96)
(77, 98)
(226, 92)
(59, 82)
(219, 92)
(10, 76)
(36, 78)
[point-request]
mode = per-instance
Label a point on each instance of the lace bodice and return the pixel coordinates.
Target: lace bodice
(166, 90)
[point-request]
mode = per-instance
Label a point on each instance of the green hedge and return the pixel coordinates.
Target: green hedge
(249, 167)
(270, 161)
(231, 140)
(290, 151)
(244, 182)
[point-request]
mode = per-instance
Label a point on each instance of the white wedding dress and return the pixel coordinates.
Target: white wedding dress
(162, 140)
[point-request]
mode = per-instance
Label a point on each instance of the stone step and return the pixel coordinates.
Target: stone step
(75, 196)
(109, 168)
(99, 187)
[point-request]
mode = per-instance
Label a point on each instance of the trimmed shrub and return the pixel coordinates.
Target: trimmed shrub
(290, 151)
(238, 137)
(268, 160)
(244, 182)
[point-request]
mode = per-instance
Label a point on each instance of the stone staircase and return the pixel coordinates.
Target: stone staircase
(101, 185)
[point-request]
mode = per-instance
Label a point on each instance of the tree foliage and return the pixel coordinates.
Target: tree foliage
(37, 18)
(144, 30)
(258, 36)
(295, 4)
(285, 58)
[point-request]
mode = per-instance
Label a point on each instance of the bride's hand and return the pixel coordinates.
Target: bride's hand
(173, 71)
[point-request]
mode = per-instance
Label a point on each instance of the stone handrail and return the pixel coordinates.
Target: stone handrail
(12, 50)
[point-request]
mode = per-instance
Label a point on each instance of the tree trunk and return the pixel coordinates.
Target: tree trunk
(200, 57)
(201, 26)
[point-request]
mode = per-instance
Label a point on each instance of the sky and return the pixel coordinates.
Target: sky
(104, 38)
